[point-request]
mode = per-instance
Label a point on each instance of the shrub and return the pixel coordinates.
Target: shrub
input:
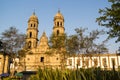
(78, 74)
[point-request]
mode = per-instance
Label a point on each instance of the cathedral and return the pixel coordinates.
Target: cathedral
(36, 55)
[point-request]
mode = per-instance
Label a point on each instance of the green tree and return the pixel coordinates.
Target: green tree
(81, 42)
(58, 42)
(13, 40)
(72, 44)
(58, 46)
(1, 44)
(22, 55)
(111, 19)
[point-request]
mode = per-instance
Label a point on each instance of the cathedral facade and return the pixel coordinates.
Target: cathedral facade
(36, 55)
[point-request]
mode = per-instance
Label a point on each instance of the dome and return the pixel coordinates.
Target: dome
(33, 17)
(59, 15)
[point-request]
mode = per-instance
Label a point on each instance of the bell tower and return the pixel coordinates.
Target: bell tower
(32, 32)
(58, 27)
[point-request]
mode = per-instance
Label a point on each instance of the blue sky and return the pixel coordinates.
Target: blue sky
(77, 13)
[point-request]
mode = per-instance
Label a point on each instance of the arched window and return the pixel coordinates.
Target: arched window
(31, 25)
(60, 23)
(29, 44)
(57, 32)
(57, 23)
(30, 34)
(41, 59)
(34, 25)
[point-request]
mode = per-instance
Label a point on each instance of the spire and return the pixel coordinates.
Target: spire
(34, 12)
(58, 10)
(44, 34)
